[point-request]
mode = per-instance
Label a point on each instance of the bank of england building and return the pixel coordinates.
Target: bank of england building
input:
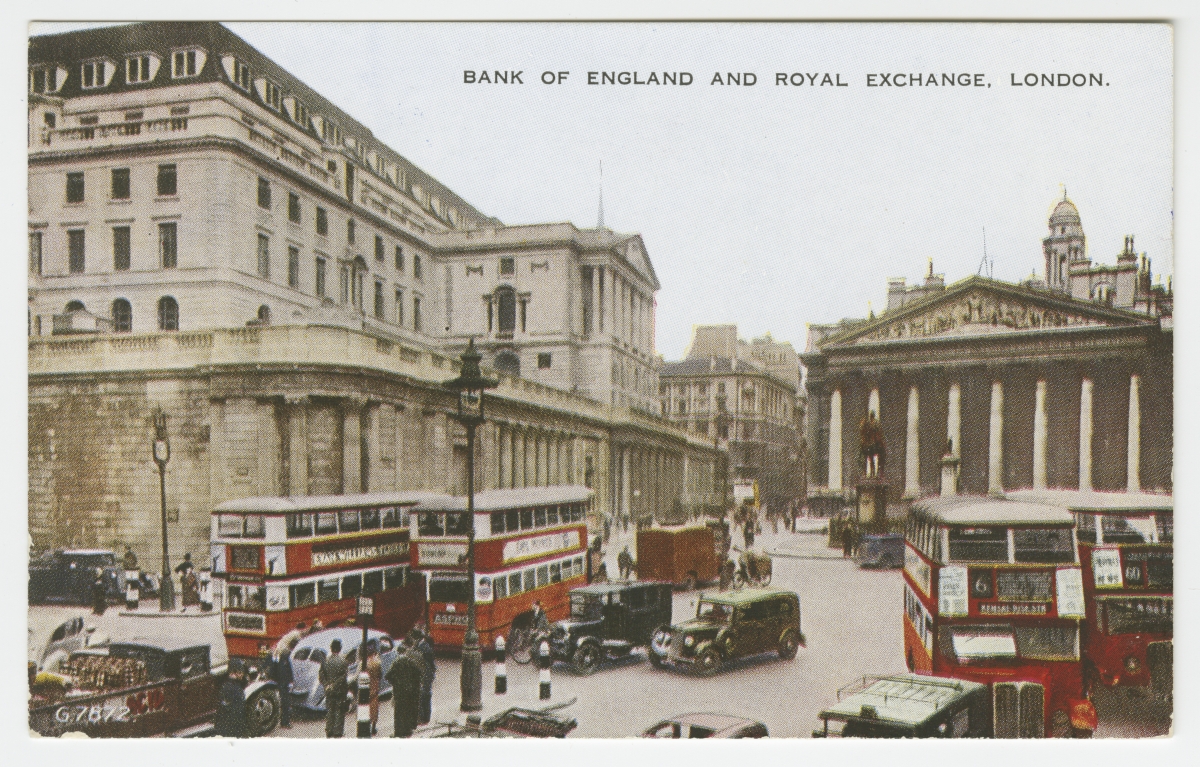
(212, 239)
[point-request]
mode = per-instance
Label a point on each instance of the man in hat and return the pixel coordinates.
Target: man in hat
(230, 721)
(405, 678)
(280, 672)
(332, 677)
(428, 671)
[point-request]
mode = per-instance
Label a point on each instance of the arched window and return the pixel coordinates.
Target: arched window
(264, 314)
(75, 306)
(506, 300)
(122, 316)
(507, 362)
(168, 313)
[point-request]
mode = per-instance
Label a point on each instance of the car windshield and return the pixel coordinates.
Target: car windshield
(714, 612)
(585, 607)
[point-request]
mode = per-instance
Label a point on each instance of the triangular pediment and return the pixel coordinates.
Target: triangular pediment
(980, 307)
(637, 257)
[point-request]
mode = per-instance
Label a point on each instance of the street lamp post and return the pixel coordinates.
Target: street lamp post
(162, 453)
(470, 385)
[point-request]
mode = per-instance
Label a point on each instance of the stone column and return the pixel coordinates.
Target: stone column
(518, 459)
(1039, 437)
(626, 490)
(996, 441)
(835, 440)
(1133, 458)
(504, 459)
(912, 446)
(596, 310)
(297, 411)
(351, 447)
(954, 420)
(1085, 435)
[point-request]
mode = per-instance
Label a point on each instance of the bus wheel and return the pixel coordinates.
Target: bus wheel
(262, 712)
(587, 658)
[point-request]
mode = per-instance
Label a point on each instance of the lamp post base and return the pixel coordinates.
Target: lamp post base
(166, 594)
(471, 680)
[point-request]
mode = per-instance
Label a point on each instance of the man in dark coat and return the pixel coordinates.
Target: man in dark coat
(405, 678)
(230, 721)
(281, 674)
(332, 677)
(428, 672)
(99, 593)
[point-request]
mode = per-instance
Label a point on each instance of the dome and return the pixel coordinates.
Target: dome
(1065, 213)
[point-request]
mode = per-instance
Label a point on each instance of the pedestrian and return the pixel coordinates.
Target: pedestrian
(99, 593)
(748, 532)
(428, 672)
(190, 589)
(540, 623)
(129, 561)
(727, 570)
(847, 538)
(185, 565)
(625, 563)
(230, 721)
(625, 522)
(602, 573)
(332, 677)
(374, 669)
(607, 529)
(288, 641)
(405, 678)
(280, 672)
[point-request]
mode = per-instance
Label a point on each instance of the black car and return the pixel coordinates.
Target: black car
(608, 620)
(67, 577)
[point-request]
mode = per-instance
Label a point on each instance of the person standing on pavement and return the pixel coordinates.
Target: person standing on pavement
(99, 594)
(288, 641)
(230, 721)
(429, 671)
(748, 531)
(405, 678)
(374, 668)
(540, 623)
(129, 561)
(280, 672)
(332, 677)
(625, 563)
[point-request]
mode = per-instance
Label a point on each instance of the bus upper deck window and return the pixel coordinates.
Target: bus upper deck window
(1085, 527)
(430, 523)
(526, 519)
(1126, 529)
(552, 515)
(327, 523)
(299, 525)
(512, 520)
(539, 516)
(978, 544)
(1048, 546)
(1166, 527)
(391, 517)
(229, 526)
(254, 526)
(457, 524)
(348, 521)
(369, 519)
(497, 522)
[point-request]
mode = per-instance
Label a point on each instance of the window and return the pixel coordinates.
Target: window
(264, 256)
(320, 287)
(75, 251)
(394, 517)
(185, 63)
(74, 187)
(416, 312)
(322, 222)
(351, 586)
(293, 267)
(507, 266)
(302, 595)
(327, 590)
(372, 583)
(168, 245)
(140, 69)
(43, 79)
(120, 183)
(506, 300)
(241, 75)
(1047, 642)
(1046, 546)
(264, 193)
(399, 307)
(978, 544)
(293, 207)
(399, 258)
(556, 572)
(530, 580)
(168, 314)
(499, 587)
(300, 114)
(243, 558)
(526, 519)
(35, 252)
(166, 181)
(344, 284)
(379, 254)
(544, 361)
(368, 519)
(50, 119)
(350, 231)
(122, 316)
(378, 299)
(299, 525)
(416, 266)
(327, 523)
(95, 74)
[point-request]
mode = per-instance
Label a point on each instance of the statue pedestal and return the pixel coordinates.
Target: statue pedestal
(949, 475)
(870, 511)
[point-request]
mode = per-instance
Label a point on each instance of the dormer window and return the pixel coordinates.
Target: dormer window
(271, 95)
(46, 79)
(187, 63)
(97, 73)
(237, 72)
(300, 114)
(141, 68)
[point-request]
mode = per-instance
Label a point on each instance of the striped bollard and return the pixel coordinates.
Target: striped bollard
(364, 705)
(544, 674)
(501, 673)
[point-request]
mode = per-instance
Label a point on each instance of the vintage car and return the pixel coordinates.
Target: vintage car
(51, 643)
(311, 651)
(608, 620)
(516, 722)
(141, 688)
(729, 625)
(881, 550)
(67, 576)
(706, 726)
(910, 706)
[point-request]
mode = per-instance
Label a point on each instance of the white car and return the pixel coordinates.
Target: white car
(51, 644)
(313, 649)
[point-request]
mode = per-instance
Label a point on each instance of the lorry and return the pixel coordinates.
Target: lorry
(685, 555)
(142, 688)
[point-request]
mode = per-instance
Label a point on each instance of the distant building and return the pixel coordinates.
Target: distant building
(747, 397)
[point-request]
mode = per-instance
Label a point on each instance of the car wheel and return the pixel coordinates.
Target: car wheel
(262, 712)
(587, 658)
(520, 646)
(788, 646)
(708, 661)
(656, 660)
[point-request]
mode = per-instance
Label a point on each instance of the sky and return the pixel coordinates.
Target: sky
(774, 206)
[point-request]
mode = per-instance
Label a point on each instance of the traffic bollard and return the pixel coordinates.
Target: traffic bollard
(364, 705)
(501, 673)
(131, 590)
(544, 674)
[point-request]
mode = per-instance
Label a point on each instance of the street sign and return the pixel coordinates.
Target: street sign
(366, 606)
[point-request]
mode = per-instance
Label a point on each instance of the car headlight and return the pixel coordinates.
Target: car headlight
(689, 640)
(1132, 664)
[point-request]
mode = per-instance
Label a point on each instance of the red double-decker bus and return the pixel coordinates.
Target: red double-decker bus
(993, 593)
(530, 544)
(286, 560)
(1126, 549)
